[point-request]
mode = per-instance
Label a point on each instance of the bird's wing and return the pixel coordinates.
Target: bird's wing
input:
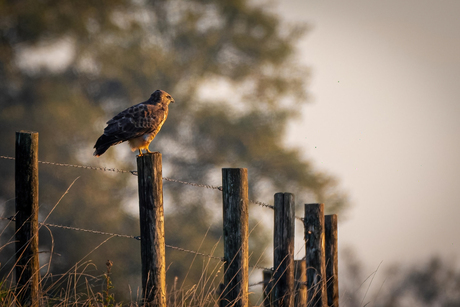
(135, 121)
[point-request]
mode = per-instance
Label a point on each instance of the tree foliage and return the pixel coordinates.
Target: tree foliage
(433, 282)
(67, 66)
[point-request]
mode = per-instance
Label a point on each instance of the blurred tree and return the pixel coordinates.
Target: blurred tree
(434, 282)
(353, 283)
(67, 66)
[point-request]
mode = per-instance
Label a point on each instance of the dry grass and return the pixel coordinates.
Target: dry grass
(80, 286)
(84, 285)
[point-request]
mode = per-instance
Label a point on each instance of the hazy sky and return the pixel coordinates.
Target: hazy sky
(384, 119)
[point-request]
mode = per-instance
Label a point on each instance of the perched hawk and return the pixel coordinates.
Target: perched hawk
(138, 124)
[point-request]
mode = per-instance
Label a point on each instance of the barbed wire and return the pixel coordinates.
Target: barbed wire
(135, 173)
(259, 203)
(137, 238)
(194, 252)
(271, 207)
(116, 170)
(262, 204)
(299, 282)
(12, 218)
(260, 267)
(208, 186)
(256, 284)
(105, 169)
(96, 168)
(91, 231)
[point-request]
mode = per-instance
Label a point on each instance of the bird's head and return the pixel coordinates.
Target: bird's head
(162, 96)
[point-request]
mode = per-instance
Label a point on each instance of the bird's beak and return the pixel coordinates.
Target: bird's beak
(172, 101)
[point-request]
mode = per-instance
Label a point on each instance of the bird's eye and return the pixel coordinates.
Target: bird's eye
(169, 97)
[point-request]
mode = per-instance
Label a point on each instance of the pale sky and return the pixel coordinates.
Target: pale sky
(384, 119)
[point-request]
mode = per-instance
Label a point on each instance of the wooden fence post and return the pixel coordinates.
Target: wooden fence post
(151, 216)
(300, 277)
(220, 293)
(235, 219)
(283, 255)
(315, 254)
(26, 190)
(332, 276)
(267, 278)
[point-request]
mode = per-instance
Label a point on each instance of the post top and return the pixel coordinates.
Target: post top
(149, 154)
(234, 169)
(26, 132)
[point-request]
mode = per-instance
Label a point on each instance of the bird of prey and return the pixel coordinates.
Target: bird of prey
(138, 124)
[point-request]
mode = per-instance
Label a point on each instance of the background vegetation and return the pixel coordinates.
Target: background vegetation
(66, 67)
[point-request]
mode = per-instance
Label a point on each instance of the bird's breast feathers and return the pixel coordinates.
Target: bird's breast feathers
(141, 118)
(147, 124)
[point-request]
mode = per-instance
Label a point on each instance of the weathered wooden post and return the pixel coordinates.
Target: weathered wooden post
(220, 292)
(235, 219)
(315, 255)
(151, 216)
(26, 190)
(267, 277)
(332, 276)
(300, 277)
(283, 255)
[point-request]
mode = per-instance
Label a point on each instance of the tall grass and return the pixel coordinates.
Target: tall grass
(85, 285)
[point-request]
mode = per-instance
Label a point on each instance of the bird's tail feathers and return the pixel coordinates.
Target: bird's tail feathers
(103, 143)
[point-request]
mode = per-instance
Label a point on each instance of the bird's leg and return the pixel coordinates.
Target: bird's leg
(140, 153)
(147, 150)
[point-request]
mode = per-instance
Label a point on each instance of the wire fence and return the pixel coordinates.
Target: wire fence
(106, 169)
(116, 170)
(138, 238)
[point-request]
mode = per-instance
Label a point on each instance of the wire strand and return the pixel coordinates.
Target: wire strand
(272, 207)
(105, 169)
(194, 184)
(194, 252)
(11, 218)
(116, 170)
